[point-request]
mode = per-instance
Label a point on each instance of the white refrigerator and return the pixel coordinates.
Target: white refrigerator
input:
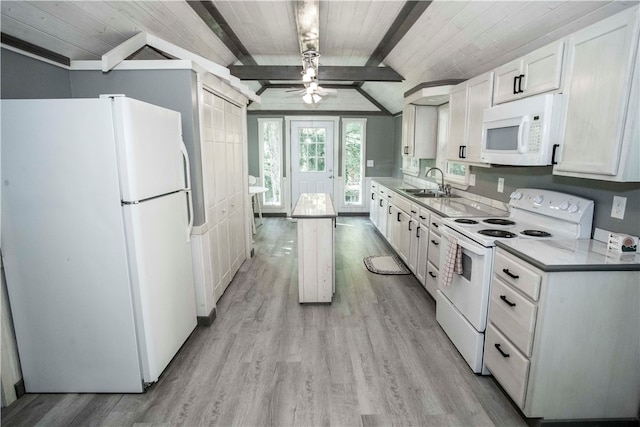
(96, 220)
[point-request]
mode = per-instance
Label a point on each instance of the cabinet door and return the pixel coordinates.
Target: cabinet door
(542, 69)
(423, 246)
(382, 215)
(480, 94)
(403, 236)
(457, 121)
(505, 82)
(408, 130)
(425, 132)
(373, 208)
(598, 82)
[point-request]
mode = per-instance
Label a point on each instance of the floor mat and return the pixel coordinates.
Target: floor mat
(385, 264)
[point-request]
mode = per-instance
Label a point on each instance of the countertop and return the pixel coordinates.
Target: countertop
(314, 205)
(570, 255)
(455, 207)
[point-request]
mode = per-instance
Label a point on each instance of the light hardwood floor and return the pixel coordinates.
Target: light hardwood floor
(375, 356)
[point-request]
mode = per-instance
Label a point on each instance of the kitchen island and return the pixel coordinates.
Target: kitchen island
(316, 268)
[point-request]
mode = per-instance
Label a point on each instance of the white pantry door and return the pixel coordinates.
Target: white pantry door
(311, 158)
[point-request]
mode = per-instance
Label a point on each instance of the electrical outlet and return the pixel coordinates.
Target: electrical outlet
(618, 207)
(472, 179)
(369, 163)
(500, 185)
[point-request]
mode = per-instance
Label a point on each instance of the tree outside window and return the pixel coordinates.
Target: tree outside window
(271, 160)
(353, 154)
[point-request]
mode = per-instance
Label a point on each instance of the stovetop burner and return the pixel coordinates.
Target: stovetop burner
(466, 221)
(498, 233)
(499, 221)
(536, 233)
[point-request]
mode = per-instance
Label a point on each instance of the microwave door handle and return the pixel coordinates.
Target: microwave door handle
(522, 129)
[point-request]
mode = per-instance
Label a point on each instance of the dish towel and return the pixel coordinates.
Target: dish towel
(452, 262)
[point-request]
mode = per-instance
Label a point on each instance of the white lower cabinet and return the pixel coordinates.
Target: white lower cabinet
(565, 344)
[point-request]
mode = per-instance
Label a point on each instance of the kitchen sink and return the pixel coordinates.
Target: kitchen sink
(421, 192)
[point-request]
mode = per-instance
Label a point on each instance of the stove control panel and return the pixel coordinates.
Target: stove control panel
(563, 206)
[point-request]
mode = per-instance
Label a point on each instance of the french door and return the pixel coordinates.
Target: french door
(312, 157)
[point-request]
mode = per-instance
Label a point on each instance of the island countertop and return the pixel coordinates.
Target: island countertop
(314, 205)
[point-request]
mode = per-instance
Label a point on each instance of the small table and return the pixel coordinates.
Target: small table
(253, 192)
(316, 217)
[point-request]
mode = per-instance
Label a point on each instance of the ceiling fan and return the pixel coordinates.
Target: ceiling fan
(312, 92)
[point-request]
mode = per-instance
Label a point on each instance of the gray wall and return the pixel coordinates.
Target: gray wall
(380, 142)
(173, 89)
(27, 78)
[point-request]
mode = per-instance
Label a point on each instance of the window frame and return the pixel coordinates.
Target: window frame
(363, 156)
(262, 121)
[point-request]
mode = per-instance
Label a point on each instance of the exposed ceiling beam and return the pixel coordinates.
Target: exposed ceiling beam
(35, 50)
(211, 16)
(331, 73)
(408, 15)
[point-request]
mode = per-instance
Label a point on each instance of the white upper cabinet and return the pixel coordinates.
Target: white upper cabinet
(419, 131)
(600, 138)
(537, 72)
(467, 102)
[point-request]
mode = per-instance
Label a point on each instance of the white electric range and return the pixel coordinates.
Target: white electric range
(462, 306)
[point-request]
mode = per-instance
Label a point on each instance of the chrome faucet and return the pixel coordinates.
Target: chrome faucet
(441, 185)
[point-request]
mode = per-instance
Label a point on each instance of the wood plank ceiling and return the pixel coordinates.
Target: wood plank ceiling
(422, 41)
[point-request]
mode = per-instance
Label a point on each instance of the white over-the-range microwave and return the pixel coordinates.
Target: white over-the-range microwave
(522, 132)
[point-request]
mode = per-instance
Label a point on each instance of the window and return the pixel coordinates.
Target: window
(353, 137)
(311, 149)
(270, 137)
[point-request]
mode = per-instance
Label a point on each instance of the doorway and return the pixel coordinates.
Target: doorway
(312, 157)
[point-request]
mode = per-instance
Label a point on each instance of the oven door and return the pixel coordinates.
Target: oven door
(469, 291)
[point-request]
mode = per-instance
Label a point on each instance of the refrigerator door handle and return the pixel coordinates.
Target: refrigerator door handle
(187, 173)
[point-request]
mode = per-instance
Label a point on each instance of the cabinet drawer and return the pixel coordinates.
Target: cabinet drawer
(401, 203)
(415, 212)
(515, 273)
(434, 249)
(435, 222)
(423, 216)
(431, 281)
(509, 367)
(513, 314)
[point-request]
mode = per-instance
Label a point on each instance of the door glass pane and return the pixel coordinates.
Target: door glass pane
(312, 149)
(271, 140)
(353, 161)
(467, 266)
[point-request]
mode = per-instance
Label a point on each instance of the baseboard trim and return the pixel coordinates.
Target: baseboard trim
(353, 213)
(207, 320)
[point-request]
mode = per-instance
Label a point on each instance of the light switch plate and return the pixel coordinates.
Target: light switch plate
(500, 185)
(369, 163)
(618, 207)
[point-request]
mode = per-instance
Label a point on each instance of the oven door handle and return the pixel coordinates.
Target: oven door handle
(445, 231)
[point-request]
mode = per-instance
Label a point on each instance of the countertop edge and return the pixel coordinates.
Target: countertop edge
(568, 267)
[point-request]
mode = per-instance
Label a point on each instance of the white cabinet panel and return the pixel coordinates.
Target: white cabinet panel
(467, 103)
(599, 129)
(537, 72)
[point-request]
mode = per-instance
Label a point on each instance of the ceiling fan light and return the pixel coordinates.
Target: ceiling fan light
(311, 72)
(313, 86)
(316, 98)
(307, 98)
(306, 78)
(310, 90)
